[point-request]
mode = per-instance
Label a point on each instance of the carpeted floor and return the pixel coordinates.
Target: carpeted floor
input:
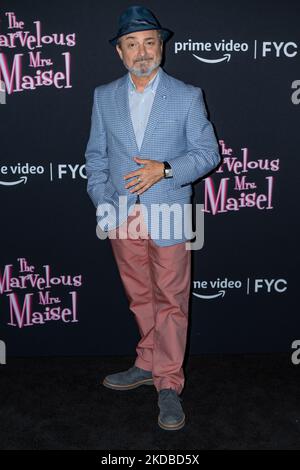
(230, 402)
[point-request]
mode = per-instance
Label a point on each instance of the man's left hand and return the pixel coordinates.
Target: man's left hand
(152, 172)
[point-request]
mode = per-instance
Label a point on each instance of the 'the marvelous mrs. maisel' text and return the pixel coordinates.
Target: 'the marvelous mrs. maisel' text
(25, 51)
(27, 307)
(241, 186)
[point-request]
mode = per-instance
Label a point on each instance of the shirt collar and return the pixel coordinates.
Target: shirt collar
(152, 85)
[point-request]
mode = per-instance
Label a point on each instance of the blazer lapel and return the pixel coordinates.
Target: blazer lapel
(157, 110)
(122, 103)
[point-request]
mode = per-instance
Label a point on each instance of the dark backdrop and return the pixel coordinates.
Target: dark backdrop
(47, 219)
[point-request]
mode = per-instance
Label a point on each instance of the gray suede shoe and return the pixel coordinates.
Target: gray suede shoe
(171, 415)
(131, 378)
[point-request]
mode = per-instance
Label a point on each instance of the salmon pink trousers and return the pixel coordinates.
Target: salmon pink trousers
(157, 281)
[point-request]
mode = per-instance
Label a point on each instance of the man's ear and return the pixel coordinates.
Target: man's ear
(119, 51)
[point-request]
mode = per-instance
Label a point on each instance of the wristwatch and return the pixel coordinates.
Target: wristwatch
(168, 172)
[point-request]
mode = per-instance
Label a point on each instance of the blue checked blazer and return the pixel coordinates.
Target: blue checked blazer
(177, 131)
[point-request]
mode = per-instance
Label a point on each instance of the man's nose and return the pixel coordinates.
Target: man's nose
(142, 49)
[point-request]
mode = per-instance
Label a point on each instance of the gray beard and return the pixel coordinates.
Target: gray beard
(147, 72)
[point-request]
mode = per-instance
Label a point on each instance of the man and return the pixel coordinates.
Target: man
(150, 139)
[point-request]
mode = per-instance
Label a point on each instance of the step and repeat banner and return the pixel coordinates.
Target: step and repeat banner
(60, 290)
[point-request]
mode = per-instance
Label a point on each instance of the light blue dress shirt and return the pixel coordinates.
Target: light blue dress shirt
(140, 104)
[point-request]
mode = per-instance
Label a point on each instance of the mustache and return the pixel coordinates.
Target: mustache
(145, 58)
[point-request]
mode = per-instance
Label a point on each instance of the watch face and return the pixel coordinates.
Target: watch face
(168, 172)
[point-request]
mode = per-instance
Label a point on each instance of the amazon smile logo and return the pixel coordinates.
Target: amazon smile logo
(21, 180)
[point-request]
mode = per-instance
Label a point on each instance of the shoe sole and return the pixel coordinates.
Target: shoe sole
(172, 427)
(107, 384)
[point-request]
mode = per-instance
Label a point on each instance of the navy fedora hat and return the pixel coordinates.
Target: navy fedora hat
(138, 18)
